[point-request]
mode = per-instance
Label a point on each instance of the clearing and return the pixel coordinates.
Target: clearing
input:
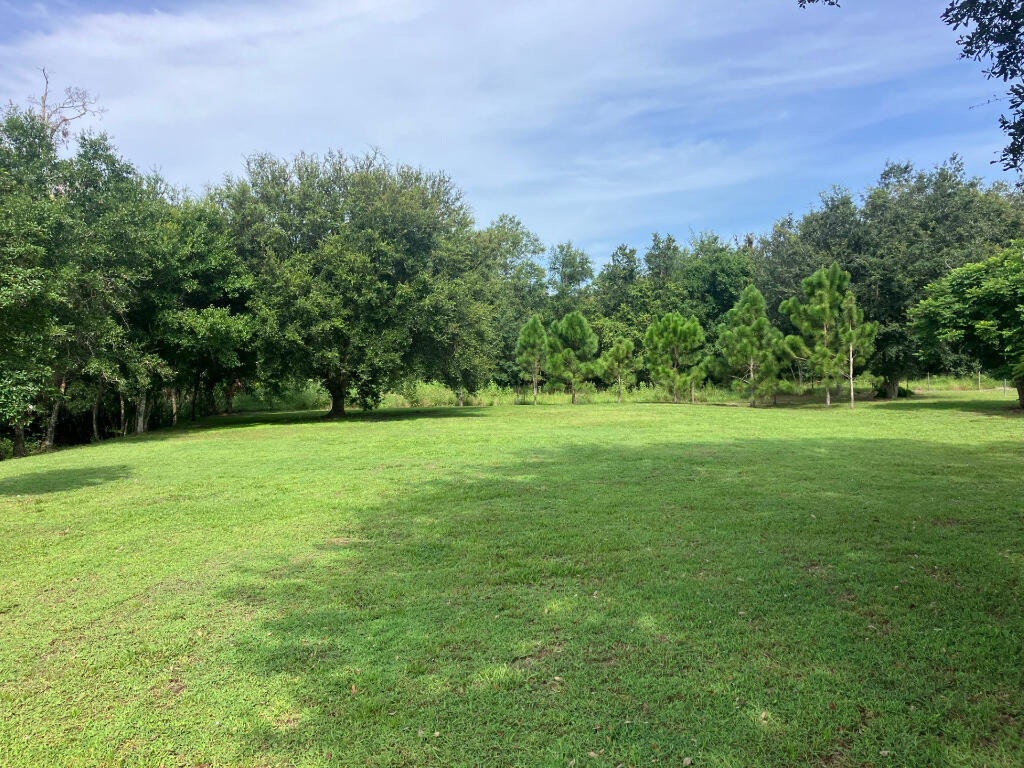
(593, 586)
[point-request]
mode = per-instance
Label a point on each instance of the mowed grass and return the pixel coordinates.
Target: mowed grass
(593, 586)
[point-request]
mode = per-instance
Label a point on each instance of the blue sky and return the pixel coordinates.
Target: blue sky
(595, 121)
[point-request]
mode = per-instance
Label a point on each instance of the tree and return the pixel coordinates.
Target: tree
(978, 310)
(662, 258)
(30, 220)
(75, 104)
(712, 275)
(570, 270)
(622, 298)
(917, 225)
(572, 346)
(781, 260)
(518, 288)
(816, 314)
(617, 363)
(531, 350)
(993, 32)
(353, 259)
(752, 348)
(857, 337)
(673, 346)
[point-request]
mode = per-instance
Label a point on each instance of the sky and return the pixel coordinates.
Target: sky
(592, 121)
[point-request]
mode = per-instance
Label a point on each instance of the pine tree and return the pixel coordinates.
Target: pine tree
(531, 350)
(858, 337)
(617, 362)
(572, 346)
(673, 346)
(753, 350)
(816, 314)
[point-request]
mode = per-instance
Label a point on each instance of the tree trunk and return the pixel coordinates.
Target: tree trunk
(572, 389)
(211, 401)
(19, 441)
(753, 386)
(51, 427)
(828, 394)
(1019, 384)
(620, 388)
(693, 393)
(459, 396)
(979, 381)
(174, 406)
(124, 423)
(229, 395)
(140, 414)
(851, 377)
(96, 411)
(892, 387)
(337, 387)
(535, 388)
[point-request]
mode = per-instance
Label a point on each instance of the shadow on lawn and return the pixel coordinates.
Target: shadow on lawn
(772, 602)
(56, 480)
(261, 418)
(1007, 407)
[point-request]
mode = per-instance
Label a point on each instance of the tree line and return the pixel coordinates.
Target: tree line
(751, 353)
(126, 304)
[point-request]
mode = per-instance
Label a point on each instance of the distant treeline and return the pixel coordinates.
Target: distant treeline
(126, 304)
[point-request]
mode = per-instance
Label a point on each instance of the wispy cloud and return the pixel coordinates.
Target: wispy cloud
(597, 121)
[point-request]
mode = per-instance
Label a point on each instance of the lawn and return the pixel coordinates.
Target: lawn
(594, 586)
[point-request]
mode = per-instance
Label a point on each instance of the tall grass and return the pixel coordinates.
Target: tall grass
(423, 394)
(433, 394)
(305, 396)
(958, 383)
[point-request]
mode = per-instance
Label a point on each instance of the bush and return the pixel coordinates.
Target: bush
(586, 392)
(881, 392)
(299, 396)
(492, 394)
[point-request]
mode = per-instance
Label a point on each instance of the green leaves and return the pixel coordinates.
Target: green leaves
(753, 350)
(532, 346)
(673, 350)
(978, 311)
(572, 347)
(367, 273)
(816, 314)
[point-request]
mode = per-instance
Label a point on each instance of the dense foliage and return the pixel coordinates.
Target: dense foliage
(125, 304)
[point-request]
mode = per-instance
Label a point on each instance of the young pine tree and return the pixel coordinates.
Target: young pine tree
(617, 362)
(531, 350)
(753, 350)
(572, 346)
(858, 337)
(816, 313)
(673, 346)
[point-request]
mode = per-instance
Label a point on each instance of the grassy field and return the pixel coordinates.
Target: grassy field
(599, 586)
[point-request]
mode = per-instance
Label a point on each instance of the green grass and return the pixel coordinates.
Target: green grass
(610, 585)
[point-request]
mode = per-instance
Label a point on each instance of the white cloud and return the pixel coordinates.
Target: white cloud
(590, 120)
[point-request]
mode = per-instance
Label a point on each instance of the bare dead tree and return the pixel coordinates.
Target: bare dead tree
(58, 115)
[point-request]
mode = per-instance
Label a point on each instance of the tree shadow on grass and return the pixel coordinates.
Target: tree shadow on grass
(285, 418)
(769, 602)
(1007, 408)
(57, 480)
